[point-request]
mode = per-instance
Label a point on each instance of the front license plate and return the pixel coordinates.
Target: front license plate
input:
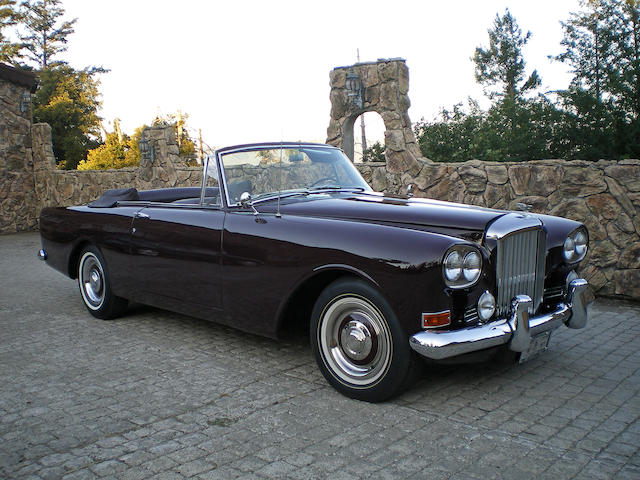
(538, 344)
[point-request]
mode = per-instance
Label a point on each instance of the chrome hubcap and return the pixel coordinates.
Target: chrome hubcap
(91, 277)
(355, 340)
(95, 281)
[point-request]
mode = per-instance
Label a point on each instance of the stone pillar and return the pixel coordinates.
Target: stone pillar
(386, 87)
(44, 164)
(17, 197)
(159, 157)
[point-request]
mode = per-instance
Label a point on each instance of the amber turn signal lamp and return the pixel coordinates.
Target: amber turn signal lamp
(432, 320)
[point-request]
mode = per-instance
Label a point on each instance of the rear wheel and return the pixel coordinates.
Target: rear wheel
(358, 343)
(95, 286)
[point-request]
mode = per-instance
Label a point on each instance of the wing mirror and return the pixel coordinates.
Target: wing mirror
(245, 202)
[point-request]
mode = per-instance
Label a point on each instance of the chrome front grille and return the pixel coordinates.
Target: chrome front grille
(520, 268)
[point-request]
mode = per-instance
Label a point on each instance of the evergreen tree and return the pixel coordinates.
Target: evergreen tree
(626, 84)
(375, 153)
(46, 36)
(602, 44)
(589, 49)
(68, 100)
(9, 16)
(502, 64)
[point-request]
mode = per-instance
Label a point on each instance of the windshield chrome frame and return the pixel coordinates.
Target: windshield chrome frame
(253, 147)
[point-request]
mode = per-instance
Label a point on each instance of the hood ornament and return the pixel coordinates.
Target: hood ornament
(524, 207)
(410, 190)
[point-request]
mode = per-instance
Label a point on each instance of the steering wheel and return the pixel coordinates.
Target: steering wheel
(324, 179)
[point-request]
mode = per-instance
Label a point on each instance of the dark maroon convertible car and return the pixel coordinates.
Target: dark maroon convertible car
(283, 234)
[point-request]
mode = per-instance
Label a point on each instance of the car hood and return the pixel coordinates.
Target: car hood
(377, 208)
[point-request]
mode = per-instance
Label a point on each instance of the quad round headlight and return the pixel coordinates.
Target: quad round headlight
(471, 266)
(453, 266)
(462, 266)
(575, 246)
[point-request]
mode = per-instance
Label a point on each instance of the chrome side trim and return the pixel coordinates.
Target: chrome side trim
(516, 330)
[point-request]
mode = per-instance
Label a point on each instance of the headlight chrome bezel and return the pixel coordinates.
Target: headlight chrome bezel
(462, 266)
(576, 246)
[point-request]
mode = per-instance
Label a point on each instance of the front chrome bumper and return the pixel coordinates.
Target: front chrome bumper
(516, 330)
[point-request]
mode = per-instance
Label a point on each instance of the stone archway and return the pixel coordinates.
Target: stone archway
(385, 86)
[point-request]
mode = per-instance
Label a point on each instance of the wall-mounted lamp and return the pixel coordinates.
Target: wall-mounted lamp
(355, 90)
(146, 150)
(25, 103)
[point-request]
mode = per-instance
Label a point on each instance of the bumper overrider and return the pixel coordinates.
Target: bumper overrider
(516, 330)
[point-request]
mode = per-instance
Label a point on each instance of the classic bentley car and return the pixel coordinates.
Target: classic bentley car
(280, 235)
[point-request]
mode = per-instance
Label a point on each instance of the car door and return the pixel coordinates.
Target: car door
(175, 253)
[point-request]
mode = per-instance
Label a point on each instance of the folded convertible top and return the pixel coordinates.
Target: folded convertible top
(111, 197)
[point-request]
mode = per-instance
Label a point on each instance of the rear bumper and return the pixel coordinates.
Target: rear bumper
(516, 330)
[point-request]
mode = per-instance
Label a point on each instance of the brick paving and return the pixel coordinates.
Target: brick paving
(160, 395)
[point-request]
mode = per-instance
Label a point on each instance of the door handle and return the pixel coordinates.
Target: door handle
(140, 215)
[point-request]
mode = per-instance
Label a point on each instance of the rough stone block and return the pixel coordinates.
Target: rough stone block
(387, 71)
(630, 257)
(627, 283)
(338, 78)
(604, 205)
(497, 174)
(544, 179)
(519, 175)
(603, 254)
(582, 181)
(475, 179)
(627, 175)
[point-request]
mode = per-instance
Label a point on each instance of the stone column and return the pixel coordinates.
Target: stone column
(159, 157)
(386, 87)
(17, 196)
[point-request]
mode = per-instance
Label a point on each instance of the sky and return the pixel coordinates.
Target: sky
(248, 71)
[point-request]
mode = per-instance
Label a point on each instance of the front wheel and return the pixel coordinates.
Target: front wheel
(95, 286)
(358, 343)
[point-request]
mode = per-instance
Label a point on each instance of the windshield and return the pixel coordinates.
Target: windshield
(267, 172)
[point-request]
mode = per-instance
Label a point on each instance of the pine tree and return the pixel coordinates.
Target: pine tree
(45, 36)
(589, 47)
(9, 16)
(502, 64)
(602, 43)
(627, 53)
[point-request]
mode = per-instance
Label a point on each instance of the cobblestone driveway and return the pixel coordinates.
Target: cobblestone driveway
(160, 395)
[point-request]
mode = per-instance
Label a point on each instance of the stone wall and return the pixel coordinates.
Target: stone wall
(604, 195)
(160, 167)
(30, 180)
(17, 202)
